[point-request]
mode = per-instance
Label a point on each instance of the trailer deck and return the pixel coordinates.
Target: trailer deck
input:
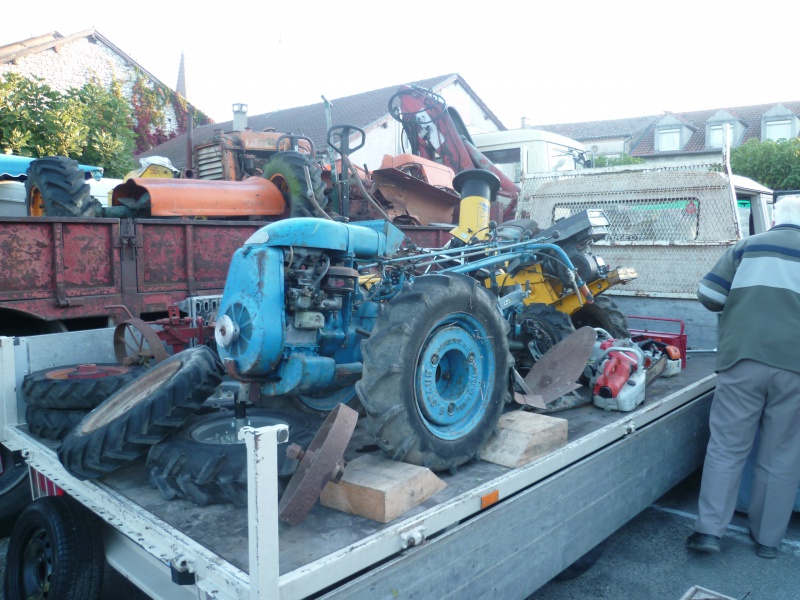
(556, 508)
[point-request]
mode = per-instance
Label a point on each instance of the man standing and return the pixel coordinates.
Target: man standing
(756, 286)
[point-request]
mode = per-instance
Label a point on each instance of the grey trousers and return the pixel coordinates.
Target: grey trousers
(751, 397)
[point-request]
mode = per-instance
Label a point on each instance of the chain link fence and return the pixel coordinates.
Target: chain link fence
(670, 223)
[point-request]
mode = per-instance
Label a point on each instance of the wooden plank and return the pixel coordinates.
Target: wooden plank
(380, 489)
(523, 437)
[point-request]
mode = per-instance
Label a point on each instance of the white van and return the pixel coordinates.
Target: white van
(519, 152)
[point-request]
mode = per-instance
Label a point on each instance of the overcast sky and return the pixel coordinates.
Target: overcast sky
(550, 61)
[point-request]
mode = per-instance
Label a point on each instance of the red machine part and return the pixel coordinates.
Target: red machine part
(617, 369)
(437, 133)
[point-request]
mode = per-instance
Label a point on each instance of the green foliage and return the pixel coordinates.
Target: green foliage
(625, 159)
(93, 125)
(773, 164)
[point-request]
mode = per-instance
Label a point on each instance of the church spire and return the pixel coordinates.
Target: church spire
(181, 87)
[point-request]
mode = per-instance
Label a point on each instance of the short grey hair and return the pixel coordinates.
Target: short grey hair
(787, 211)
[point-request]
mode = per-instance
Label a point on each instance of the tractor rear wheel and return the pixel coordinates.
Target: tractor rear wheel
(542, 325)
(287, 170)
(76, 387)
(205, 462)
(56, 187)
(141, 414)
(603, 313)
(436, 372)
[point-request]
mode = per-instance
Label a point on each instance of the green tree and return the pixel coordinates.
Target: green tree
(92, 124)
(773, 164)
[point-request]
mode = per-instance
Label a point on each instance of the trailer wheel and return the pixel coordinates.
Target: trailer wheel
(583, 564)
(287, 171)
(55, 551)
(205, 462)
(15, 489)
(436, 371)
(80, 387)
(543, 325)
(52, 424)
(604, 313)
(56, 187)
(141, 414)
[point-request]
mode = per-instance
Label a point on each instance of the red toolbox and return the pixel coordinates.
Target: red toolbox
(668, 331)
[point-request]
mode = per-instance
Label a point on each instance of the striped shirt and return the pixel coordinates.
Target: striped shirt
(756, 285)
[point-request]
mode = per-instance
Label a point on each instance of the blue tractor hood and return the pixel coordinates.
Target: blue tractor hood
(366, 240)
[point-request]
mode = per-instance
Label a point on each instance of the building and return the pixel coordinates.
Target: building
(368, 110)
(65, 62)
(677, 136)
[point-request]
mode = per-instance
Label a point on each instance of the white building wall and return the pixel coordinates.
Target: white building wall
(76, 63)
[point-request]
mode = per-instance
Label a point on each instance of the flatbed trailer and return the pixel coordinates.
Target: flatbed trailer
(492, 530)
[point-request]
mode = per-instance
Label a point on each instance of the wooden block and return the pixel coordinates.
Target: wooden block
(380, 489)
(523, 437)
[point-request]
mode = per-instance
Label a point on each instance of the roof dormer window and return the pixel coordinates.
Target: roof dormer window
(779, 123)
(778, 130)
(669, 140)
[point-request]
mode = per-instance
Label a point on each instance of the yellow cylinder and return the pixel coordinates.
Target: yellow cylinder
(473, 219)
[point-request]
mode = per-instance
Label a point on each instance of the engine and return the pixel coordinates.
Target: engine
(292, 313)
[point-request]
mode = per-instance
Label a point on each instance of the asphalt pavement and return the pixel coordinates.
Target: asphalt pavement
(647, 560)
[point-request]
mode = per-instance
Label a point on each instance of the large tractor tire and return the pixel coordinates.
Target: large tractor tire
(603, 313)
(52, 424)
(205, 462)
(55, 551)
(15, 488)
(287, 170)
(77, 387)
(56, 187)
(141, 414)
(436, 372)
(543, 325)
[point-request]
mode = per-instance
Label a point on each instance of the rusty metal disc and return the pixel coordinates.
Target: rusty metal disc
(557, 371)
(87, 371)
(136, 343)
(321, 462)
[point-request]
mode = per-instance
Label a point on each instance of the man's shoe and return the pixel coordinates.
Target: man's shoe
(703, 542)
(764, 551)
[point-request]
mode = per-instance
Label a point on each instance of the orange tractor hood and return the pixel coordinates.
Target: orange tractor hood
(203, 198)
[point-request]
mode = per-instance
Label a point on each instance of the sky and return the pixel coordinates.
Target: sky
(549, 61)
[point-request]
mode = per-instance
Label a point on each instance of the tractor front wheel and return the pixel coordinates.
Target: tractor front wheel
(436, 369)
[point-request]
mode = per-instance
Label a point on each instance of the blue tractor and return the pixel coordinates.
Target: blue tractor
(327, 311)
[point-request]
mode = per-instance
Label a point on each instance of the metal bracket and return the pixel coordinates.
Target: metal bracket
(413, 537)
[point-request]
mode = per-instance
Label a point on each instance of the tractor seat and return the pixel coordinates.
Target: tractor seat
(518, 229)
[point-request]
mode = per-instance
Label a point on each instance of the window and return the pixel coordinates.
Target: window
(716, 135)
(647, 221)
(507, 160)
(776, 130)
(561, 158)
(669, 140)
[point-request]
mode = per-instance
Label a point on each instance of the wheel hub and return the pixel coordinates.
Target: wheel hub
(37, 565)
(453, 373)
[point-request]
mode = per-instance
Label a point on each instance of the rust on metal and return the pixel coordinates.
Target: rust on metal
(323, 461)
(87, 371)
(136, 343)
(557, 371)
(199, 197)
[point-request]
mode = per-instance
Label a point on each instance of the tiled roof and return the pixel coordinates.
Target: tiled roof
(361, 110)
(598, 130)
(750, 116)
